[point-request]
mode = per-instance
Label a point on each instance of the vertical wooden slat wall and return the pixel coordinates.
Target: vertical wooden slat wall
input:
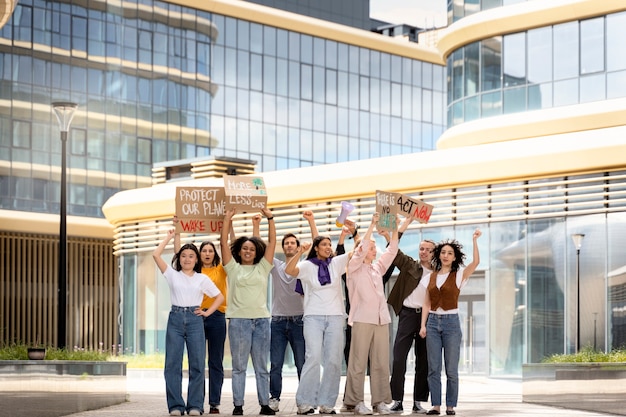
(28, 291)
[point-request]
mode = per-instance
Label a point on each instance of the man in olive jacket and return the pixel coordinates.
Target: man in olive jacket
(407, 298)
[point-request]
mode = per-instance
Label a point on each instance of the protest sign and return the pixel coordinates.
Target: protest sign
(389, 204)
(246, 194)
(408, 206)
(387, 208)
(200, 209)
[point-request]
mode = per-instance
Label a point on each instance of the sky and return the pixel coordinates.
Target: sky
(420, 13)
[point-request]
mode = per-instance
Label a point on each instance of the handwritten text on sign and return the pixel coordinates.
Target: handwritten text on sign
(387, 208)
(408, 206)
(246, 194)
(200, 209)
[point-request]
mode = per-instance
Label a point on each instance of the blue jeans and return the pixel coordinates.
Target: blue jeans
(215, 334)
(323, 337)
(250, 337)
(285, 329)
(443, 332)
(184, 329)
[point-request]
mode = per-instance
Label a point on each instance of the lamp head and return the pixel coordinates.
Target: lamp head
(64, 110)
(577, 238)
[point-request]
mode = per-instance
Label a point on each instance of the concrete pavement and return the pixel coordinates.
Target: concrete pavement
(478, 397)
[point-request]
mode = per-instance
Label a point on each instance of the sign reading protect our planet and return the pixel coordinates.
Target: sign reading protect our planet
(389, 204)
(200, 209)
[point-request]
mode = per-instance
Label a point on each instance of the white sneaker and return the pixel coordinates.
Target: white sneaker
(274, 404)
(305, 409)
(361, 409)
(175, 412)
(382, 408)
(194, 412)
(326, 410)
(346, 409)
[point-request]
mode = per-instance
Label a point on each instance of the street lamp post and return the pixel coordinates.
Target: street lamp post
(64, 112)
(578, 243)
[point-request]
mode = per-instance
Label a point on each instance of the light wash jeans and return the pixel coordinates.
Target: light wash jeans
(443, 332)
(323, 337)
(285, 330)
(184, 329)
(250, 337)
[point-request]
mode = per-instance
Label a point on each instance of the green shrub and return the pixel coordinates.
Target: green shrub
(588, 355)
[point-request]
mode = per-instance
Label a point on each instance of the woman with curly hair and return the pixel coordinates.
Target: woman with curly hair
(440, 325)
(248, 263)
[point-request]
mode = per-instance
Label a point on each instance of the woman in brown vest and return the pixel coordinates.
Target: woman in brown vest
(440, 324)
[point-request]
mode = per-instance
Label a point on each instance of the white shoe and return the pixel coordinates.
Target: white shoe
(305, 409)
(175, 413)
(361, 409)
(326, 410)
(194, 412)
(274, 404)
(382, 408)
(346, 409)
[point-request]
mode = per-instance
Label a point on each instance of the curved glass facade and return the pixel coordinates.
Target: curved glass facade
(159, 82)
(458, 9)
(569, 63)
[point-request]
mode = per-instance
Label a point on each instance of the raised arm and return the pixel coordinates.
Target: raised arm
(256, 225)
(224, 247)
(271, 235)
(291, 268)
(308, 215)
(176, 235)
(156, 254)
(471, 267)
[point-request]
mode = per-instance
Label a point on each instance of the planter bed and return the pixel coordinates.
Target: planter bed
(597, 387)
(57, 388)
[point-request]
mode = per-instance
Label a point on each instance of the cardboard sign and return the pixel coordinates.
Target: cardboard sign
(200, 209)
(408, 206)
(246, 194)
(390, 204)
(387, 207)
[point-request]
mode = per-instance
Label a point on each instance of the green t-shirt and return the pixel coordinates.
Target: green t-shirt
(247, 289)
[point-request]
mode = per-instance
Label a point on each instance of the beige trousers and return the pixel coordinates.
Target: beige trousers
(368, 341)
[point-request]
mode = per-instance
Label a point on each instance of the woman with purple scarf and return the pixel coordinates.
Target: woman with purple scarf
(324, 319)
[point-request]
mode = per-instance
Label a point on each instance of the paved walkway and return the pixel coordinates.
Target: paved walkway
(478, 397)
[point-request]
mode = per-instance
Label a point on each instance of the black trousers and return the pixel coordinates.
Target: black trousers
(409, 323)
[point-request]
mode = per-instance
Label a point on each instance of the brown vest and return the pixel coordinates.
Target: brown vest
(446, 297)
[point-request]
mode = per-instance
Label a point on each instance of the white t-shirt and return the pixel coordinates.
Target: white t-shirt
(441, 278)
(188, 291)
(323, 300)
(416, 298)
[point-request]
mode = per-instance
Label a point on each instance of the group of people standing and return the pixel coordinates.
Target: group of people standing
(308, 313)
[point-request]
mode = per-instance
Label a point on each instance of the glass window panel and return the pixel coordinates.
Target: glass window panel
(294, 46)
(319, 54)
(269, 74)
(471, 108)
(471, 64)
(331, 86)
(405, 106)
(491, 64)
(342, 89)
(491, 104)
(250, 36)
(230, 74)
(256, 106)
(616, 84)
(306, 86)
(364, 93)
(256, 72)
(427, 107)
(330, 149)
(457, 113)
(364, 61)
(294, 79)
(354, 91)
(417, 103)
(385, 66)
(540, 55)
(269, 40)
(427, 75)
(615, 35)
(319, 84)
(243, 69)
(539, 96)
(457, 74)
(565, 50)
(243, 105)
(282, 77)
(592, 88)
(385, 97)
(354, 60)
(282, 43)
(331, 54)
(269, 108)
(566, 92)
(306, 49)
(592, 45)
(514, 100)
(514, 60)
(306, 115)
(342, 57)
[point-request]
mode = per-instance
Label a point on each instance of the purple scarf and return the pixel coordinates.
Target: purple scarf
(323, 274)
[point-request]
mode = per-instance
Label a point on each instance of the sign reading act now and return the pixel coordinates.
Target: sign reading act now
(202, 209)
